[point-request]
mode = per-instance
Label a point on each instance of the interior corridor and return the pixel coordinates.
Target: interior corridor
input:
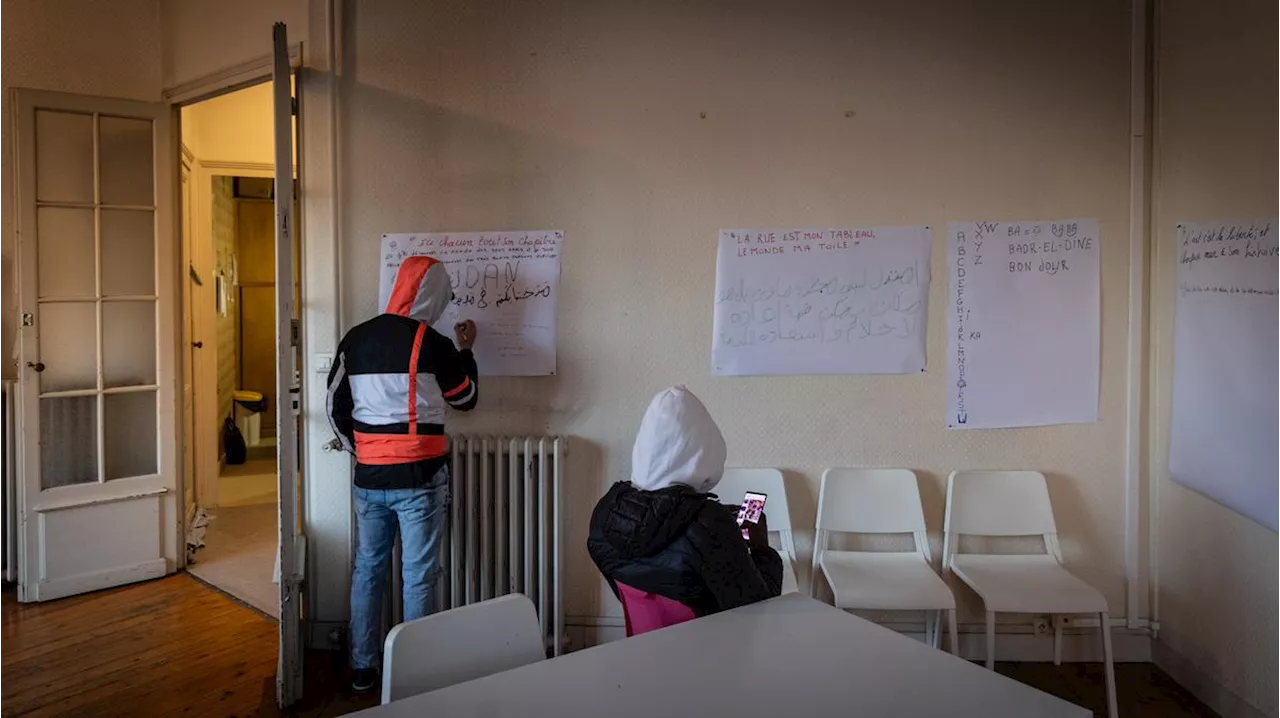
(239, 552)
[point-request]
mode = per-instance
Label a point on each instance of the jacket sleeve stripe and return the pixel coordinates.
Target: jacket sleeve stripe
(466, 384)
(339, 378)
(413, 379)
(464, 398)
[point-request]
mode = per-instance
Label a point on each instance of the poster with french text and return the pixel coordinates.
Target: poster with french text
(1023, 323)
(848, 300)
(504, 281)
(1223, 425)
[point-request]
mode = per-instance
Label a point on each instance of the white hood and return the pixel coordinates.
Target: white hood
(421, 291)
(678, 443)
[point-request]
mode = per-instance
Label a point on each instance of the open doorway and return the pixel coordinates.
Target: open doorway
(233, 410)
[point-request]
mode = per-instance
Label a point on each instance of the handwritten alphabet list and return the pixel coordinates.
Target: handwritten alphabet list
(1222, 439)
(505, 281)
(821, 301)
(1022, 323)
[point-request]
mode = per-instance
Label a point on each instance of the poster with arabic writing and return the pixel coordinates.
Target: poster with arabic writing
(846, 300)
(504, 281)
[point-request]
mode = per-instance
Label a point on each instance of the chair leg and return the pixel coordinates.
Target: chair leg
(991, 640)
(928, 629)
(955, 632)
(937, 629)
(1109, 666)
(1057, 640)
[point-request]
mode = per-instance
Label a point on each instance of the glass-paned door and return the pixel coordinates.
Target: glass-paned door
(95, 343)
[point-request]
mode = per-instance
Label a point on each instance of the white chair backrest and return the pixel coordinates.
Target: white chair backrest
(737, 482)
(870, 501)
(460, 645)
(997, 503)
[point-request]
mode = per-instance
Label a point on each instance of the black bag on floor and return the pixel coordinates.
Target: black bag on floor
(233, 442)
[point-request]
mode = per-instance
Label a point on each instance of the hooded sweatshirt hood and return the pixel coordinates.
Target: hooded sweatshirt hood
(678, 443)
(422, 290)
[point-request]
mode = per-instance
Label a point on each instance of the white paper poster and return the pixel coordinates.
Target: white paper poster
(821, 301)
(505, 281)
(1022, 323)
(1222, 440)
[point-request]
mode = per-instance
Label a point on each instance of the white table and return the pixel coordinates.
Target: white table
(790, 656)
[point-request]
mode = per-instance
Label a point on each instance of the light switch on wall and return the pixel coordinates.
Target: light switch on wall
(323, 362)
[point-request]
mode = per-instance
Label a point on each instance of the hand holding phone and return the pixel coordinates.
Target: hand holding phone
(757, 534)
(751, 518)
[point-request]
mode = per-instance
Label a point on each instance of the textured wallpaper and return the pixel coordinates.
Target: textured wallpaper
(1214, 160)
(641, 130)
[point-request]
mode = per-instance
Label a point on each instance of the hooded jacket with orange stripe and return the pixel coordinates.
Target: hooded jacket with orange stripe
(392, 378)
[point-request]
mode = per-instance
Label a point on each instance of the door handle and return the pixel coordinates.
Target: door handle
(38, 366)
(197, 345)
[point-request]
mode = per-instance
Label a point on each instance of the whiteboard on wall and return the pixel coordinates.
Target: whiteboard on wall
(849, 300)
(506, 282)
(1223, 426)
(1023, 323)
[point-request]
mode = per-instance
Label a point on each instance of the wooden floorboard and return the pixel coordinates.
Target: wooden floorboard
(170, 647)
(177, 647)
(166, 647)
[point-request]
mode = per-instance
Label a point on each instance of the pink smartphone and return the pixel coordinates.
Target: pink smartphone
(752, 508)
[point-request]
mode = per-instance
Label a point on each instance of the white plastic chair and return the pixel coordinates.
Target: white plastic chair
(1016, 503)
(880, 501)
(460, 645)
(734, 486)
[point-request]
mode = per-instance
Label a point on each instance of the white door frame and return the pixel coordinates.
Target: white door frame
(207, 424)
(190, 329)
(161, 492)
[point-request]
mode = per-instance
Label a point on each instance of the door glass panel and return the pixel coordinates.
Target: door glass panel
(68, 346)
(124, 161)
(64, 252)
(68, 441)
(129, 428)
(128, 343)
(128, 252)
(64, 157)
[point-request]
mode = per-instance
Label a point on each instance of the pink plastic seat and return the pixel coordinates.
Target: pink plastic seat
(646, 611)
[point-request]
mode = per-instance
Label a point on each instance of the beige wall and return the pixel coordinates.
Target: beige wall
(640, 129)
(1216, 159)
(236, 127)
(204, 37)
(225, 263)
(92, 48)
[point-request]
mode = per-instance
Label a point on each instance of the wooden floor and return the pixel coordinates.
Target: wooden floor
(172, 647)
(178, 647)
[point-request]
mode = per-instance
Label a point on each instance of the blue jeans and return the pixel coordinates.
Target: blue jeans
(421, 515)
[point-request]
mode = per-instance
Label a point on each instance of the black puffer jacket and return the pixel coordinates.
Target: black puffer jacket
(680, 544)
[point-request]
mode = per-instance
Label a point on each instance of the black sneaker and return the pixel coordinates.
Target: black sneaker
(364, 680)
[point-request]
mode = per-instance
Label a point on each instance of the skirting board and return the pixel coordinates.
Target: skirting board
(1077, 646)
(1202, 686)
